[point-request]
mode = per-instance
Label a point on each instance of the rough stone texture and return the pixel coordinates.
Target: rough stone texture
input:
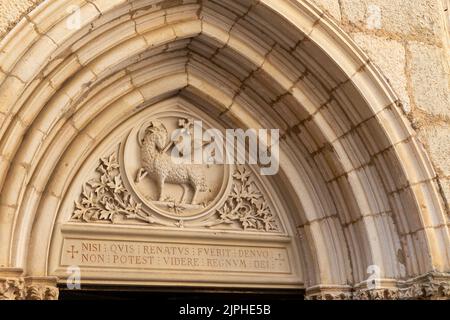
(390, 56)
(331, 6)
(418, 19)
(430, 86)
(445, 184)
(437, 140)
(11, 11)
(407, 46)
(411, 48)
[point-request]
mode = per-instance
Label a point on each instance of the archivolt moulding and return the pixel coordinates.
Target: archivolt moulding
(362, 190)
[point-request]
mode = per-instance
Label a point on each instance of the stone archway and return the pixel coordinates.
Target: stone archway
(358, 189)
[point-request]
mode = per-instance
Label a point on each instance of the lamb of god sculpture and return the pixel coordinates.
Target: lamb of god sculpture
(161, 168)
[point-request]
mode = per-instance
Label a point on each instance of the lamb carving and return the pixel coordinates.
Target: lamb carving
(158, 165)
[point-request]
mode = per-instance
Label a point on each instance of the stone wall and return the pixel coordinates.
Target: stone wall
(410, 43)
(11, 11)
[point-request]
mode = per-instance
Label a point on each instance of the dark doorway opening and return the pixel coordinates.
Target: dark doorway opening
(177, 294)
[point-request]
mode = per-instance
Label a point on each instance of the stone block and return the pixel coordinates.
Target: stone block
(430, 82)
(437, 142)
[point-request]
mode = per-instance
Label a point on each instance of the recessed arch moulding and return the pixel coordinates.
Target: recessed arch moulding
(355, 188)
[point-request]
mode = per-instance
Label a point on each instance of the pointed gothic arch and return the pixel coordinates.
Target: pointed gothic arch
(360, 188)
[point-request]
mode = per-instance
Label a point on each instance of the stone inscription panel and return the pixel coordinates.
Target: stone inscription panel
(174, 256)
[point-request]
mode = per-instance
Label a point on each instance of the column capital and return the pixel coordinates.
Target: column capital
(41, 288)
(12, 284)
(431, 286)
(329, 292)
(15, 286)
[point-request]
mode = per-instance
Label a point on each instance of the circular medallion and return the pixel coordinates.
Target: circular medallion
(163, 163)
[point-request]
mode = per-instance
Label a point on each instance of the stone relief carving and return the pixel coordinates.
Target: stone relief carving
(12, 289)
(18, 289)
(41, 292)
(105, 197)
(174, 190)
(159, 166)
(430, 287)
(427, 290)
(330, 296)
(156, 191)
(246, 204)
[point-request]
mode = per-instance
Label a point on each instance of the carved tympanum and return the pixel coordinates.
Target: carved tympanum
(152, 189)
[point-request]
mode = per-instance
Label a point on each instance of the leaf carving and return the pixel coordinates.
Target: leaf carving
(246, 204)
(105, 198)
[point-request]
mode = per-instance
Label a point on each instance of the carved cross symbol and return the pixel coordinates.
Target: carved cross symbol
(280, 257)
(72, 251)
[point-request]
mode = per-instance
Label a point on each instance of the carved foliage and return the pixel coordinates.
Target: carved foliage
(40, 292)
(379, 294)
(17, 289)
(11, 289)
(247, 205)
(105, 197)
(330, 296)
(429, 289)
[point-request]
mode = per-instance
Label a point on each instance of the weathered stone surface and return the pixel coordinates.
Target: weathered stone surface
(437, 140)
(86, 113)
(11, 11)
(445, 184)
(390, 56)
(430, 81)
(331, 6)
(418, 19)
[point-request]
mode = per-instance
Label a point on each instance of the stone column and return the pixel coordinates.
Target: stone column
(15, 286)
